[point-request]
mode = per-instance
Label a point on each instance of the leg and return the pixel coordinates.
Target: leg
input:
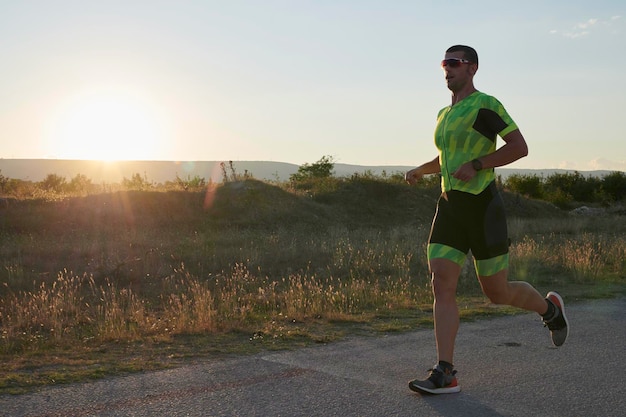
(517, 293)
(442, 380)
(445, 275)
(447, 251)
(523, 295)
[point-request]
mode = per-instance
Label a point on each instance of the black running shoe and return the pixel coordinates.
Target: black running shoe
(438, 382)
(558, 325)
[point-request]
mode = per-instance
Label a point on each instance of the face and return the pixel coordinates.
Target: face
(458, 77)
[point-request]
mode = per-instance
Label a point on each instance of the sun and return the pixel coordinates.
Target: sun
(107, 125)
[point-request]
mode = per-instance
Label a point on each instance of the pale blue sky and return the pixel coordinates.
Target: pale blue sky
(292, 81)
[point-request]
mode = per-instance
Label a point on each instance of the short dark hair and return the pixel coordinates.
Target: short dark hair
(469, 53)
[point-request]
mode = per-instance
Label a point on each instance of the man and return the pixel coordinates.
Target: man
(470, 214)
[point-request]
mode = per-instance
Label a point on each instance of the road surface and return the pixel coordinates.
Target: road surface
(507, 367)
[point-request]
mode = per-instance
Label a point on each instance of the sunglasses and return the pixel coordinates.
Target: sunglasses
(454, 62)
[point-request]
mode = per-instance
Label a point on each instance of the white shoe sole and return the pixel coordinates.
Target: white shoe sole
(562, 308)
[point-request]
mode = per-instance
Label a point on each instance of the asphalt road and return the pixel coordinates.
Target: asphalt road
(507, 367)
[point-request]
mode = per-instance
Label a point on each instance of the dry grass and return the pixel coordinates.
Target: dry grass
(258, 265)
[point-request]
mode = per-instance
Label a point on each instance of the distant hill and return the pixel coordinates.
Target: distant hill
(162, 171)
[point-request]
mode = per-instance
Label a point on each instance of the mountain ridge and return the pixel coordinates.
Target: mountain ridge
(162, 171)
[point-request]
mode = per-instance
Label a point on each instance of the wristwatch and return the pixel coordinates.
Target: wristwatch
(477, 165)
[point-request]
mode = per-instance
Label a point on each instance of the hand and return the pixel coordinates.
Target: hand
(465, 172)
(413, 176)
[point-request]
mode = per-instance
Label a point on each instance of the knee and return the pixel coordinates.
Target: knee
(443, 286)
(444, 278)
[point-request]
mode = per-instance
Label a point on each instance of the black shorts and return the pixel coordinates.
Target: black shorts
(465, 222)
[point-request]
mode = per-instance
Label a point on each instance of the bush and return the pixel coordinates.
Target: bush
(137, 182)
(196, 183)
(320, 169)
(614, 185)
(527, 185)
(3, 182)
(80, 184)
(560, 198)
(574, 184)
(53, 183)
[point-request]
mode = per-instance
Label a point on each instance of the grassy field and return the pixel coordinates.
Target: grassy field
(136, 280)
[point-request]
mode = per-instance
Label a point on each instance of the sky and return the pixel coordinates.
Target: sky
(293, 81)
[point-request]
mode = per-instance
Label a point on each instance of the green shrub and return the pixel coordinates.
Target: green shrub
(614, 185)
(137, 182)
(80, 184)
(560, 198)
(54, 183)
(579, 187)
(527, 185)
(320, 169)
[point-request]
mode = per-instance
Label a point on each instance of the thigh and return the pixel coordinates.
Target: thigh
(494, 283)
(489, 234)
(448, 228)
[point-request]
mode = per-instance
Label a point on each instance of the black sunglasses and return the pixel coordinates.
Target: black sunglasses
(454, 62)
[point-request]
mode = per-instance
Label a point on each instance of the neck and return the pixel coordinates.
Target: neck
(461, 94)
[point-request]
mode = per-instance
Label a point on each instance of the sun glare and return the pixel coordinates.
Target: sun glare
(107, 125)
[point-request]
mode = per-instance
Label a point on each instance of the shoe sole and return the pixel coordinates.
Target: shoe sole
(436, 391)
(562, 308)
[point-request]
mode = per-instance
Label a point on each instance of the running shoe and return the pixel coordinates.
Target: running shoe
(558, 325)
(438, 382)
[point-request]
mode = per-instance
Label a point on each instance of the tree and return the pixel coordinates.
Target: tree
(320, 169)
(614, 185)
(80, 184)
(527, 185)
(54, 183)
(137, 182)
(575, 185)
(3, 182)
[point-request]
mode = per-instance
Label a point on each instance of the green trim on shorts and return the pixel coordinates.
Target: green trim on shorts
(437, 250)
(491, 266)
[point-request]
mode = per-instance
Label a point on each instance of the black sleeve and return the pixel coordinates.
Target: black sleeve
(488, 123)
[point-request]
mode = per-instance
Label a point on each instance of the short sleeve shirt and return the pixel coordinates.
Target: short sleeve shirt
(466, 131)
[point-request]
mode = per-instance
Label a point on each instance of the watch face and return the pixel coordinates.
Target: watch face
(477, 165)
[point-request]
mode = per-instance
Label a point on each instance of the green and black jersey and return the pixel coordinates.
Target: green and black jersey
(466, 131)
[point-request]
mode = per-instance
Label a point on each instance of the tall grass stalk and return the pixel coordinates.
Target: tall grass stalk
(576, 250)
(175, 269)
(118, 313)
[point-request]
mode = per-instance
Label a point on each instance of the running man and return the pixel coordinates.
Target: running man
(470, 214)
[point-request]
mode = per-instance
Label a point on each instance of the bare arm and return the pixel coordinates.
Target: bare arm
(514, 149)
(416, 174)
